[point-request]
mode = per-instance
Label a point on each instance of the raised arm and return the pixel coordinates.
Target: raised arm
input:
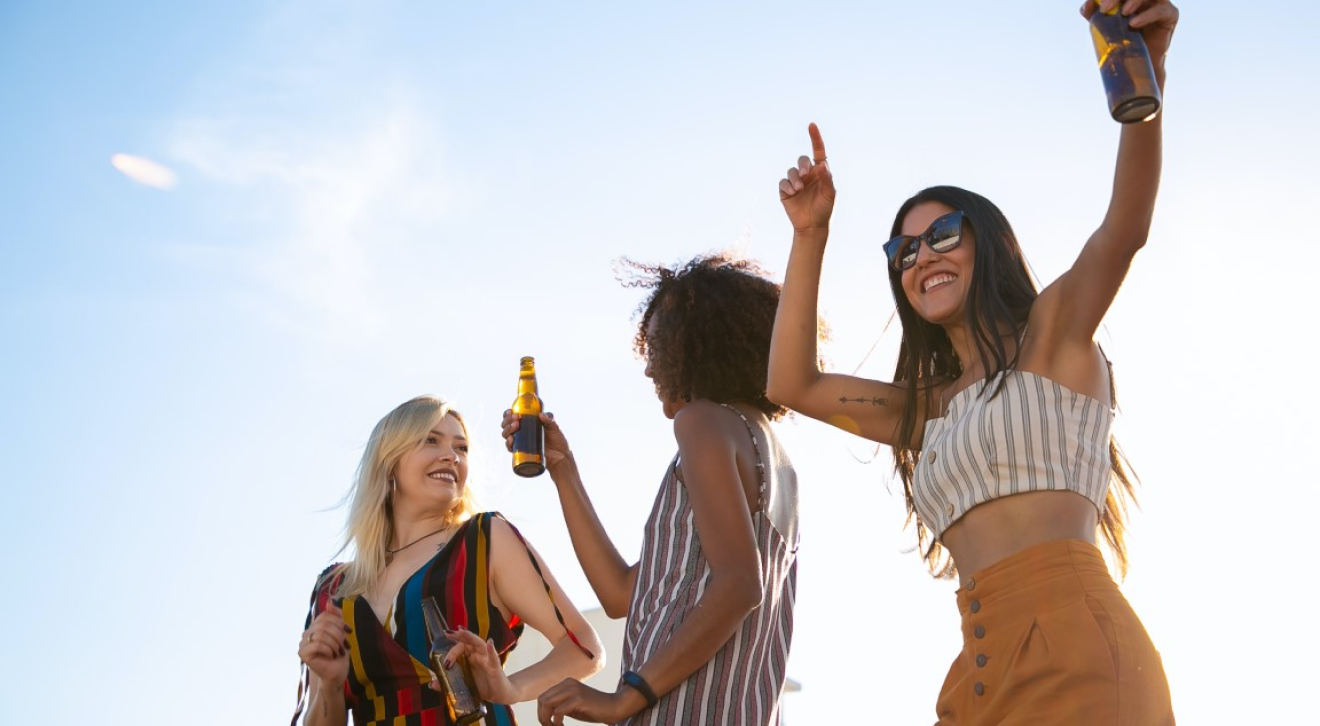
(611, 576)
(861, 406)
(1080, 298)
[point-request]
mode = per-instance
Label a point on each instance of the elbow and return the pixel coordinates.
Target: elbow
(780, 390)
(614, 609)
(597, 660)
(745, 595)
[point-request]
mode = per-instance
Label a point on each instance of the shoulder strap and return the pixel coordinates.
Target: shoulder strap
(760, 462)
(537, 566)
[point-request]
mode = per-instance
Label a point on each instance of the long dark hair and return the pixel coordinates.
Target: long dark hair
(999, 301)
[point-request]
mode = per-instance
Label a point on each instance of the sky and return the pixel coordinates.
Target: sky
(234, 235)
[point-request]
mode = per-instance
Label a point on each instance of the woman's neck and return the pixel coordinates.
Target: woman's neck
(969, 357)
(409, 527)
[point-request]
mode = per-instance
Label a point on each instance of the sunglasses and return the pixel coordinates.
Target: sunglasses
(943, 235)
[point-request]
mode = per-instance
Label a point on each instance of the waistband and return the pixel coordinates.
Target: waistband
(1042, 577)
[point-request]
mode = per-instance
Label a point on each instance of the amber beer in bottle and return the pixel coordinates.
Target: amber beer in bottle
(456, 682)
(529, 439)
(1130, 85)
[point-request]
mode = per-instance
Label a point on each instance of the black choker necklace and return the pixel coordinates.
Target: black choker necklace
(419, 539)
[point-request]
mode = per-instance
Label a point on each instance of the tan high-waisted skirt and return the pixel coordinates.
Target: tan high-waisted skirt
(1049, 639)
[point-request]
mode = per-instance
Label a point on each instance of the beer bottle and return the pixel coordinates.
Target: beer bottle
(529, 439)
(1125, 66)
(456, 684)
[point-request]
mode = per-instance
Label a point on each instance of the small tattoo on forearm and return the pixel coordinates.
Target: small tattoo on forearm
(874, 401)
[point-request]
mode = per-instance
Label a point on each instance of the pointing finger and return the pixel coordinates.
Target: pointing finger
(817, 143)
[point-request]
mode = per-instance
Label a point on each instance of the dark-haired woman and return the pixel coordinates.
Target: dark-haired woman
(999, 417)
(710, 602)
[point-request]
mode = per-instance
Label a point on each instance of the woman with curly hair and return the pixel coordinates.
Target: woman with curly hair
(709, 605)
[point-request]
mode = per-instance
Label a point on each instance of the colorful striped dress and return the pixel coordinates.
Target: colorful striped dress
(742, 683)
(388, 680)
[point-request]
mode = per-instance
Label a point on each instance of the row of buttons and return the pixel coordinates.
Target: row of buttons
(978, 631)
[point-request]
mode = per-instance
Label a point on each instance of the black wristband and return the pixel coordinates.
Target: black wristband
(632, 680)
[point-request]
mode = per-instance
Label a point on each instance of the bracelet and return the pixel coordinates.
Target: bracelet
(632, 680)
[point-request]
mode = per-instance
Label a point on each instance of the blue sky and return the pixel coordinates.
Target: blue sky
(376, 200)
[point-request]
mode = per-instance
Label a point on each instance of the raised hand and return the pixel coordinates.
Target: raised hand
(807, 190)
(556, 445)
(324, 646)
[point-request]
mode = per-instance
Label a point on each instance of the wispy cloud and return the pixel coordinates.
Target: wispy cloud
(144, 171)
(328, 168)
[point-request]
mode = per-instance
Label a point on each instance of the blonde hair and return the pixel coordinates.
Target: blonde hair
(371, 515)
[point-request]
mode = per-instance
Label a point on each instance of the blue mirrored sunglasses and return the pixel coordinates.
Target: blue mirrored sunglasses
(944, 234)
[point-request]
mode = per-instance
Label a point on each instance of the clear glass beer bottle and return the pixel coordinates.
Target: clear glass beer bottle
(456, 684)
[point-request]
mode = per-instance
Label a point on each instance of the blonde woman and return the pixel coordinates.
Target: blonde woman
(416, 533)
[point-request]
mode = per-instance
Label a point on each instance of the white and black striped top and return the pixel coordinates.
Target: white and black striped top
(742, 683)
(1035, 435)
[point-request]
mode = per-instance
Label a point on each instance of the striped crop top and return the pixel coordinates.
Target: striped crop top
(1035, 435)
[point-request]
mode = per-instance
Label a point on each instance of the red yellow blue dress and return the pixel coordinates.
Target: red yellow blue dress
(388, 680)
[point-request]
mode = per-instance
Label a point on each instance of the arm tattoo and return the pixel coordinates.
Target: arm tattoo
(874, 400)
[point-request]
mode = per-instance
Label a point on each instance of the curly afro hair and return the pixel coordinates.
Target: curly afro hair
(713, 319)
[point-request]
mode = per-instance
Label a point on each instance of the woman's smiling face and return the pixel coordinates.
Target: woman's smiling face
(937, 285)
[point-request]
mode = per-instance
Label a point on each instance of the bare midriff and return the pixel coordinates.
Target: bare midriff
(1002, 527)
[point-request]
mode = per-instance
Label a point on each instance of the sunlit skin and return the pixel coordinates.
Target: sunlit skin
(668, 406)
(998, 528)
(944, 301)
(718, 467)
(1058, 343)
(428, 480)
(428, 483)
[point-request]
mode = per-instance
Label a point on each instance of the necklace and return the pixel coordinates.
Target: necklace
(419, 539)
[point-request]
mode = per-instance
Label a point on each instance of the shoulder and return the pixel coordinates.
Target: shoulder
(504, 536)
(702, 419)
(323, 589)
(329, 577)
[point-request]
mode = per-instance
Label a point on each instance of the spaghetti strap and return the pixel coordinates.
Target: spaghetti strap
(760, 462)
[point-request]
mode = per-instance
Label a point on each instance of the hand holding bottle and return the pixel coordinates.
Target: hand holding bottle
(453, 674)
(556, 445)
(1154, 19)
(484, 663)
(528, 445)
